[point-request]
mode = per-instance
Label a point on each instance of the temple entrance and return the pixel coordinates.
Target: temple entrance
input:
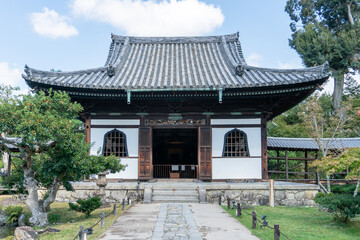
(175, 153)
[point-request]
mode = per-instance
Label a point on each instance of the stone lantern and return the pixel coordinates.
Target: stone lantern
(102, 182)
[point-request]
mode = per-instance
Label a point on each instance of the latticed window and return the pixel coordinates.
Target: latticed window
(235, 144)
(115, 143)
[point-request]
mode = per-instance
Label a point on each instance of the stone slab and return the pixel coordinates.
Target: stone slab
(214, 223)
(138, 222)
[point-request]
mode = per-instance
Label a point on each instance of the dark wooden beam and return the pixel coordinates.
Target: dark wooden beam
(264, 163)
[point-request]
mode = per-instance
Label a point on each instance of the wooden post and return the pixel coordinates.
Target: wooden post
(219, 201)
(254, 220)
(306, 166)
(276, 232)
(286, 165)
(102, 219)
(81, 233)
(114, 209)
(9, 166)
(123, 204)
(228, 202)
(271, 193)
(238, 210)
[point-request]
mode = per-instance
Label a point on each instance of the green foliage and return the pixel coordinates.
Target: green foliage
(343, 189)
(348, 159)
(327, 31)
(51, 140)
(86, 206)
(46, 118)
(12, 214)
(54, 218)
(323, 31)
(342, 206)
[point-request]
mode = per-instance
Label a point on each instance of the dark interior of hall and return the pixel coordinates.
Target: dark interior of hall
(175, 151)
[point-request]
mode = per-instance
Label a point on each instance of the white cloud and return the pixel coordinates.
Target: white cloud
(152, 18)
(254, 59)
(290, 65)
(12, 76)
(50, 24)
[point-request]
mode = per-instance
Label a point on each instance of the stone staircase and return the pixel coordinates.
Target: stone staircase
(175, 193)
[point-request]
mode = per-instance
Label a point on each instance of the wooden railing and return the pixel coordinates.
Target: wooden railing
(308, 174)
(175, 171)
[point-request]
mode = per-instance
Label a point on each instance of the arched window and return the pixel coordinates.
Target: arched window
(115, 143)
(235, 144)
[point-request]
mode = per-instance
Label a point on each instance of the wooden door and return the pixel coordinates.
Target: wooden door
(145, 153)
(205, 153)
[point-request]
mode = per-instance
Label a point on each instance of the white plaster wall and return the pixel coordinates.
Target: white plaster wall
(115, 122)
(236, 168)
(235, 121)
(253, 137)
(132, 139)
(131, 171)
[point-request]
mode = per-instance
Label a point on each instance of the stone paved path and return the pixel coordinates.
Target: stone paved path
(177, 221)
(215, 224)
(137, 223)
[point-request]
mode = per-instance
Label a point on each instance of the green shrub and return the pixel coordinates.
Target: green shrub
(347, 189)
(54, 218)
(86, 206)
(342, 206)
(12, 214)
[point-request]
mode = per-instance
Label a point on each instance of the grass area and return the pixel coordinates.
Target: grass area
(69, 230)
(300, 223)
(70, 221)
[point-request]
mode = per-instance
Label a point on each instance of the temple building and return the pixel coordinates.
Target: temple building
(181, 107)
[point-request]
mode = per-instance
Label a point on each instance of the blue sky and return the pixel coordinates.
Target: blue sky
(75, 34)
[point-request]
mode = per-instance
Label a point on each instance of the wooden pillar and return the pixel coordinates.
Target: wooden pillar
(87, 133)
(306, 166)
(264, 163)
(9, 166)
(87, 128)
(278, 162)
(286, 165)
(317, 176)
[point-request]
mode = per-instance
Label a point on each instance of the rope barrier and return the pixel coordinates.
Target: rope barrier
(77, 235)
(260, 221)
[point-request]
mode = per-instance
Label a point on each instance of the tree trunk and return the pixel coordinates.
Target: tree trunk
(338, 90)
(328, 183)
(39, 216)
(356, 189)
(350, 17)
(6, 162)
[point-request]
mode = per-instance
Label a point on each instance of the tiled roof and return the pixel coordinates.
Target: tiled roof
(180, 63)
(309, 143)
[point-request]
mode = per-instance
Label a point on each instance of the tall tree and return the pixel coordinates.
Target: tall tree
(322, 126)
(327, 31)
(52, 146)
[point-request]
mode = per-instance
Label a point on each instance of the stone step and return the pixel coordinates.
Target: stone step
(176, 201)
(180, 192)
(184, 199)
(175, 187)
